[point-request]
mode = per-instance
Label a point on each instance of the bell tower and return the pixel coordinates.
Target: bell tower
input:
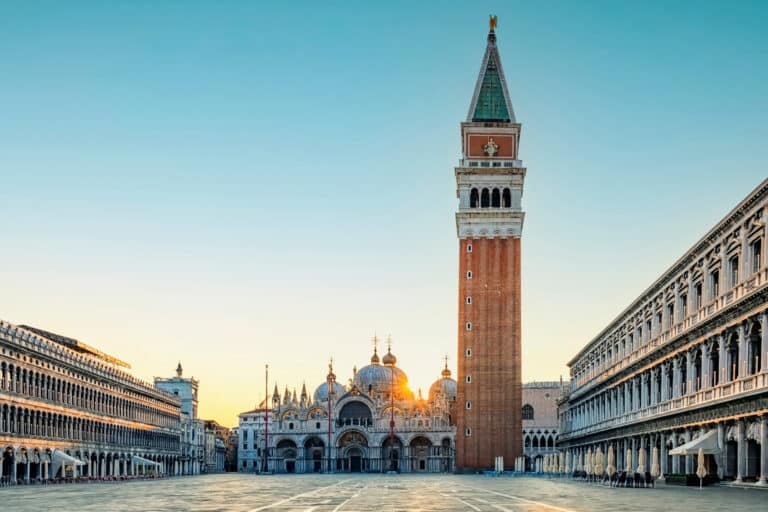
(489, 224)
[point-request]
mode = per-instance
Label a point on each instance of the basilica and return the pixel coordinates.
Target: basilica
(373, 424)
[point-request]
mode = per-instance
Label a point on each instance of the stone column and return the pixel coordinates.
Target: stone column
(643, 389)
(663, 456)
(664, 377)
(741, 451)
(675, 458)
(764, 332)
(763, 451)
(688, 458)
(720, 457)
(704, 378)
(743, 351)
(676, 377)
(722, 372)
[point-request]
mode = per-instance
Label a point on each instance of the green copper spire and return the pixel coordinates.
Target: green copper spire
(490, 102)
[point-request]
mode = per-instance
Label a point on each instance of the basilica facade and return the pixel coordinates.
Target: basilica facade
(375, 424)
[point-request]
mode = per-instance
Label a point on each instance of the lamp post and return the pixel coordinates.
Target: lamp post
(329, 383)
(265, 455)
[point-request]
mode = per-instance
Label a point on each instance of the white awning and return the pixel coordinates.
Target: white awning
(65, 458)
(708, 442)
(141, 461)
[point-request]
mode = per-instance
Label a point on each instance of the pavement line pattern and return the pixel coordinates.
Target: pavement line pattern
(341, 505)
(517, 498)
(499, 507)
(286, 500)
(462, 501)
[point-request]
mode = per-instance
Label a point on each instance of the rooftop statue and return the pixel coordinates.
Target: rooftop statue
(492, 22)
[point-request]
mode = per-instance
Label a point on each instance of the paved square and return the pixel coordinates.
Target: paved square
(380, 493)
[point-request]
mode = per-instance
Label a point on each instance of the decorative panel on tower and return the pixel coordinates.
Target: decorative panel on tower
(489, 223)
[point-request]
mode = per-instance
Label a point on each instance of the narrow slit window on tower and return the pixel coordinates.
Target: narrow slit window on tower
(468, 352)
(469, 300)
(469, 274)
(469, 247)
(469, 404)
(468, 432)
(469, 379)
(469, 326)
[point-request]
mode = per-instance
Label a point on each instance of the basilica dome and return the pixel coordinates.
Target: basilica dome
(321, 393)
(445, 385)
(378, 378)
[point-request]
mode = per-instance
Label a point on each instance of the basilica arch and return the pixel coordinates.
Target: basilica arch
(352, 452)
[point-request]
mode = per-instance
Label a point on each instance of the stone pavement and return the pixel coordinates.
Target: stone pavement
(378, 493)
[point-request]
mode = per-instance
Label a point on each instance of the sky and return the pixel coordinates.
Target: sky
(233, 184)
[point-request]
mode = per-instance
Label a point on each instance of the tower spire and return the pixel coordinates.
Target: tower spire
(490, 101)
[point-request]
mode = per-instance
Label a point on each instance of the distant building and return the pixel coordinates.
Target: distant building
(231, 447)
(69, 410)
(193, 442)
(540, 423)
(216, 438)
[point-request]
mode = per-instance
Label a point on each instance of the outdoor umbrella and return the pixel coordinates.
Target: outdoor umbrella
(628, 469)
(599, 462)
(611, 469)
(655, 471)
(588, 462)
(701, 470)
(561, 462)
(568, 461)
(641, 461)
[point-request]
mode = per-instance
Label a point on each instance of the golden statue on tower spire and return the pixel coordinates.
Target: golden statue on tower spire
(493, 19)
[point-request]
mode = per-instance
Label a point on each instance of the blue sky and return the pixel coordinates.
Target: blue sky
(234, 183)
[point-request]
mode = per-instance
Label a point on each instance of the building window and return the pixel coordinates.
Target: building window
(317, 425)
(527, 412)
(469, 404)
(715, 284)
(734, 271)
(468, 352)
(469, 379)
(670, 315)
(468, 432)
(290, 426)
(469, 247)
(469, 300)
(469, 326)
(756, 255)
(698, 297)
(469, 274)
(683, 306)
(474, 199)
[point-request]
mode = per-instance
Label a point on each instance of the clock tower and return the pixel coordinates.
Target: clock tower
(489, 224)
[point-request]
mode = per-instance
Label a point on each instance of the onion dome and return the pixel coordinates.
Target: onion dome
(375, 356)
(321, 393)
(444, 385)
(389, 358)
(376, 378)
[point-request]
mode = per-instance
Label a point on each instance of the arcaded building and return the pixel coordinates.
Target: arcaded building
(684, 366)
(489, 224)
(69, 410)
(540, 423)
(374, 425)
